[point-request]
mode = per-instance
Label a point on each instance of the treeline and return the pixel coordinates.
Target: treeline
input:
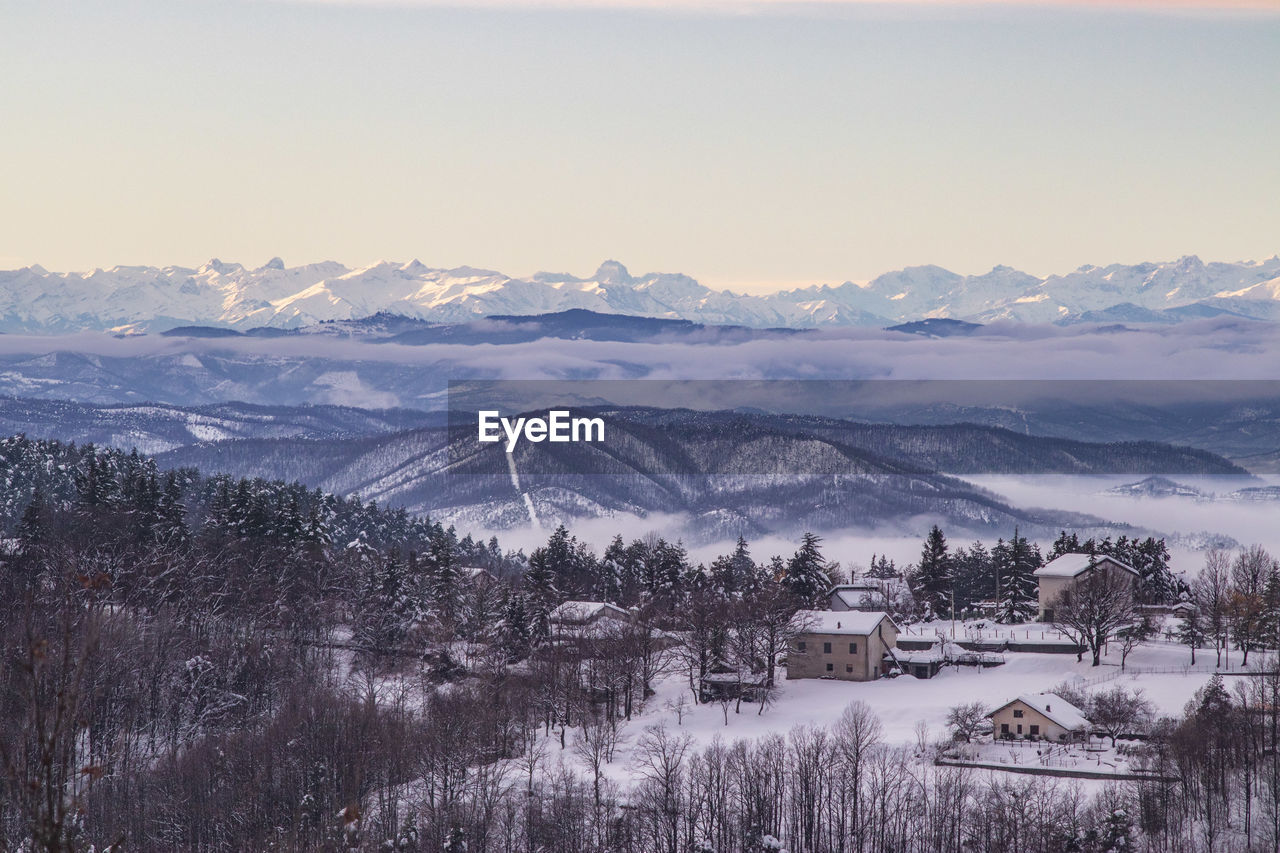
(38, 477)
(157, 628)
(1001, 582)
(1236, 604)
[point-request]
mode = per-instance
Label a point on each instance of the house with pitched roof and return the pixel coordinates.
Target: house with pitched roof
(1040, 716)
(845, 645)
(1063, 571)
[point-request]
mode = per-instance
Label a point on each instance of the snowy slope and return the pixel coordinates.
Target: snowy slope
(133, 298)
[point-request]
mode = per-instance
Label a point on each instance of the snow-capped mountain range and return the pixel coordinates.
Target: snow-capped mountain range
(34, 300)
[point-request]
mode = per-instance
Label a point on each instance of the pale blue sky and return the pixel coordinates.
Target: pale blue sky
(781, 145)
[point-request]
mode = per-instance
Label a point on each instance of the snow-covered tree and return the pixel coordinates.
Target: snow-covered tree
(932, 581)
(806, 577)
(1019, 591)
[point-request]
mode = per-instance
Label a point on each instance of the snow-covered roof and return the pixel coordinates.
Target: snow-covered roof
(853, 597)
(1052, 706)
(1074, 565)
(941, 651)
(584, 611)
(867, 584)
(856, 622)
(933, 654)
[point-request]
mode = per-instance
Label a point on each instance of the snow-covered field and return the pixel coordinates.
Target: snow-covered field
(904, 703)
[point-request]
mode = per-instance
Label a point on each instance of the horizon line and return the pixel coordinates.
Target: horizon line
(726, 284)
(764, 6)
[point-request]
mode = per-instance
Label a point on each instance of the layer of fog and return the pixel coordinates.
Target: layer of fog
(1210, 349)
(1247, 523)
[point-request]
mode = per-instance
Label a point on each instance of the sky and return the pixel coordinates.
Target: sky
(750, 145)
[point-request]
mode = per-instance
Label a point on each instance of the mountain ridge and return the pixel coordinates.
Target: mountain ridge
(127, 299)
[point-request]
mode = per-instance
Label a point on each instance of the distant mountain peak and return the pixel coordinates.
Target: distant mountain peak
(612, 272)
(220, 294)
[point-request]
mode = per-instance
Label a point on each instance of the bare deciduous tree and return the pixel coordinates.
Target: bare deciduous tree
(1094, 607)
(966, 720)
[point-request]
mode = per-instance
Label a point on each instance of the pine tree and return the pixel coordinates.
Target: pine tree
(1065, 544)
(610, 578)
(745, 573)
(93, 481)
(385, 604)
(31, 530)
(456, 842)
(515, 630)
(1150, 558)
(171, 513)
(1192, 631)
(973, 575)
(445, 580)
(883, 568)
(932, 581)
(1019, 591)
(541, 595)
(806, 579)
(1117, 832)
(665, 571)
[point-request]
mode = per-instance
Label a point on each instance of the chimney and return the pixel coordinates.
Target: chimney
(838, 625)
(1048, 707)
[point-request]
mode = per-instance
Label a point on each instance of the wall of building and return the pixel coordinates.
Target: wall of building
(862, 665)
(1051, 588)
(1048, 729)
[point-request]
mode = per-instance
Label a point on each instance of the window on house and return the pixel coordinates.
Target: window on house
(848, 667)
(1017, 713)
(1035, 730)
(1019, 728)
(853, 648)
(1004, 728)
(802, 645)
(831, 667)
(826, 648)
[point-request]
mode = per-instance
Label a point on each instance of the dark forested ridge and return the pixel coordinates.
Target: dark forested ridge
(156, 427)
(730, 473)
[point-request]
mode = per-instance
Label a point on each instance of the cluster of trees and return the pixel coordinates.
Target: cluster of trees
(946, 582)
(1148, 557)
(123, 500)
(1236, 604)
(169, 638)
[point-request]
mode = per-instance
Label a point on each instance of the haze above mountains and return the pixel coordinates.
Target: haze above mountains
(227, 295)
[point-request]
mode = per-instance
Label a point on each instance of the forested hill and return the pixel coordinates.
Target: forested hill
(730, 473)
(42, 478)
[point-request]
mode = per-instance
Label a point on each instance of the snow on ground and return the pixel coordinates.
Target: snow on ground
(1097, 756)
(903, 702)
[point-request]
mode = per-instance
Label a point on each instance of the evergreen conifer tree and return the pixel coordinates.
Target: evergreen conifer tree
(933, 580)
